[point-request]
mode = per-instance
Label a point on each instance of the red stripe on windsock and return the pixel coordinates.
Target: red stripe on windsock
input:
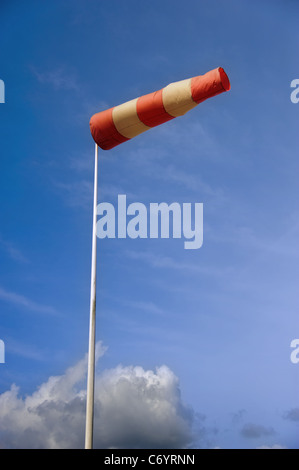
(151, 111)
(211, 84)
(104, 131)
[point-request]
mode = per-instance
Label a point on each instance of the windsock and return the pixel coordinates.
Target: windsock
(116, 125)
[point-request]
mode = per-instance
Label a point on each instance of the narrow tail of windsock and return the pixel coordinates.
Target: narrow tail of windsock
(116, 125)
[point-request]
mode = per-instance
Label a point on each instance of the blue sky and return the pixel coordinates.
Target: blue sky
(219, 319)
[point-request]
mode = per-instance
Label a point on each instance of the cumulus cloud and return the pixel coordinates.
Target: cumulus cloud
(134, 408)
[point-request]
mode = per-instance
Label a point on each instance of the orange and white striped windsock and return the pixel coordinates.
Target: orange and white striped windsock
(116, 125)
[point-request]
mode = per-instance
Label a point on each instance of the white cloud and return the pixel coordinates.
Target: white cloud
(149, 307)
(167, 262)
(22, 301)
(134, 408)
(77, 193)
(12, 251)
(59, 78)
(275, 446)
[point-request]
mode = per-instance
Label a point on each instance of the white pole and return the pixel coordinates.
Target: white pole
(92, 319)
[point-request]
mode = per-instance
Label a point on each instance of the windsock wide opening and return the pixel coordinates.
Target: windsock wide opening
(224, 79)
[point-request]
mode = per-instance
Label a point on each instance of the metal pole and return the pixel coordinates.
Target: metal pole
(92, 319)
